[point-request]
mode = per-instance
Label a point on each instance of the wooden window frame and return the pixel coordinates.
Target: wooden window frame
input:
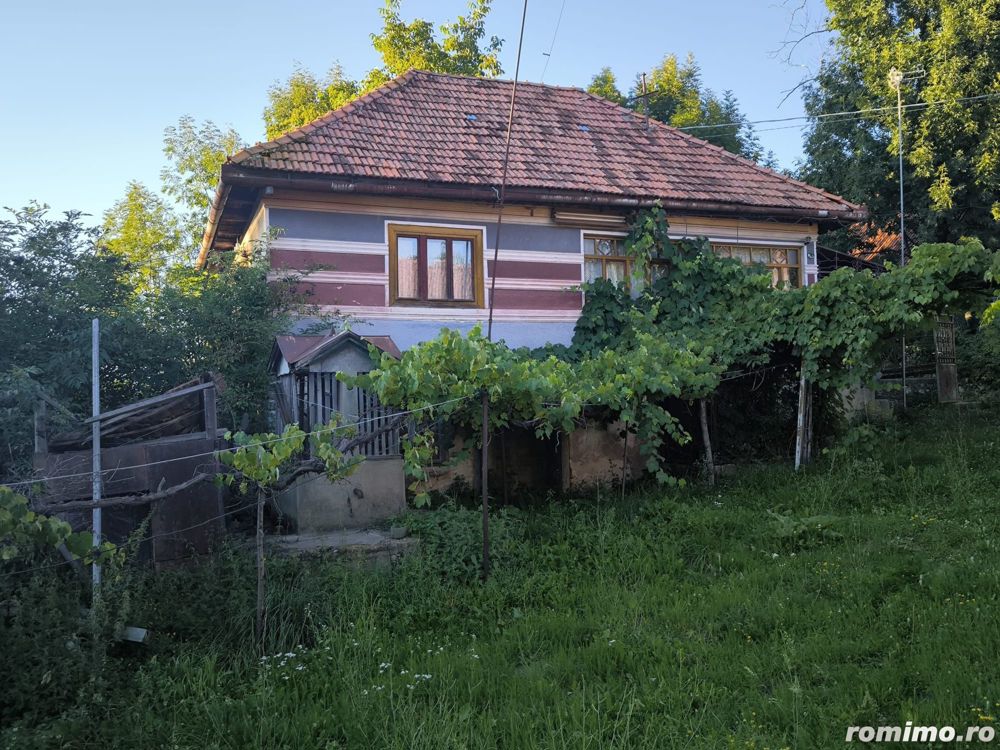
(422, 233)
(589, 238)
(799, 268)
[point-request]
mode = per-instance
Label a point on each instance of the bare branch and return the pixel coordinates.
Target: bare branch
(795, 88)
(125, 500)
(789, 46)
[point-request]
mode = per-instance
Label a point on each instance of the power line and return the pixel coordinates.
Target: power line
(844, 114)
(149, 538)
(324, 430)
(484, 396)
(548, 55)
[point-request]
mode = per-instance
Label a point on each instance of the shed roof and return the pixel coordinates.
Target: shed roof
(301, 350)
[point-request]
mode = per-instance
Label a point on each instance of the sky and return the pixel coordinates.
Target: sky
(89, 87)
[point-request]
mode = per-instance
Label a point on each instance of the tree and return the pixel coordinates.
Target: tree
(848, 156)
(196, 153)
(676, 95)
(952, 147)
(853, 157)
(462, 49)
(269, 463)
(405, 45)
(52, 282)
(303, 98)
(55, 277)
(604, 84)
(23, 531)
(223, 318)
(142, 230)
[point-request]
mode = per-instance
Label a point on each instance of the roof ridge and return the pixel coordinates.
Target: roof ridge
(672, 130)
(487, 79)
(302, 131)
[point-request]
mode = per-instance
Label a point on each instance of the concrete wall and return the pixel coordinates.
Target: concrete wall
(588, 456)
(441, 478)
(593, 455)
(375, 492)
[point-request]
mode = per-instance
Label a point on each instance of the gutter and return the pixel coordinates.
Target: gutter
(214, 214)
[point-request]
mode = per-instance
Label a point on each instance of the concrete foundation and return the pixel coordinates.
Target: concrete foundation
(593, 454)
(375, 492)
(366, 548)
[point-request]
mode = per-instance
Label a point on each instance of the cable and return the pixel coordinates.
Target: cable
(548, 55)
(149, 538)
(873, 110)
(234, 448)
(503, 177)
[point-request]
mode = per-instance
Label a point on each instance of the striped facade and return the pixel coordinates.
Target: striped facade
(341, 245)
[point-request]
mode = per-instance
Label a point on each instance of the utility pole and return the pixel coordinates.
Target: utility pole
(896, 79)
(95, 441)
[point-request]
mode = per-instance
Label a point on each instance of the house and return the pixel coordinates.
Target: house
(391, 199)
(390, 205)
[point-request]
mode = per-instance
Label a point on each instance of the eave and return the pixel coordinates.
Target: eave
(240, 189)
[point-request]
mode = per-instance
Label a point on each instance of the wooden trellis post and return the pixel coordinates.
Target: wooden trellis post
(803, 424)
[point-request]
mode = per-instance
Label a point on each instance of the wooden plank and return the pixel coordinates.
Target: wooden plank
(151, 401)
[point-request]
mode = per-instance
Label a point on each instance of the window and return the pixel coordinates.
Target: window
(783, 262)
(435, 265)
(604, 258)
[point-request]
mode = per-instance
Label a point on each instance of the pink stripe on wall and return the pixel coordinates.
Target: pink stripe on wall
(307, 259)
(335, 293)
(532, 299)
(527, 269)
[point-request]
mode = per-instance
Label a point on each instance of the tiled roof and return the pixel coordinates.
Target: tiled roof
(878, 244)
(301, 349)
(451, 130)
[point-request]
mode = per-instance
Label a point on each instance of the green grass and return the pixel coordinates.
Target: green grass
(771, 612)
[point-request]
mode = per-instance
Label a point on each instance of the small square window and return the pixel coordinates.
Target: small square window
(783, 262)
(605, 258)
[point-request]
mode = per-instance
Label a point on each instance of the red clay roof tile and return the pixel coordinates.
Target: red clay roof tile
(418, 127)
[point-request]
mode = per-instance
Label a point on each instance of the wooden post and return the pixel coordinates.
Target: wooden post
(259, 622)
(503, 467)
(803, 426)
(624, 459)
(944, 356)
(484, 482)
(41, 427)
(707, 440)
(95, 438)
(208, 402)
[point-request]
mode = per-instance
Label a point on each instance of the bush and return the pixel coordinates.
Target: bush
(45, 646)
(978, 355)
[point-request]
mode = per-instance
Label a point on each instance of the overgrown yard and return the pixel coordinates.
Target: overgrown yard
(771, 612)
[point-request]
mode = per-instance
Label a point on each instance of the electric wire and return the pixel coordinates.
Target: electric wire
(149, 538)
(232, 449)
(845, 115)
(548, 55)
